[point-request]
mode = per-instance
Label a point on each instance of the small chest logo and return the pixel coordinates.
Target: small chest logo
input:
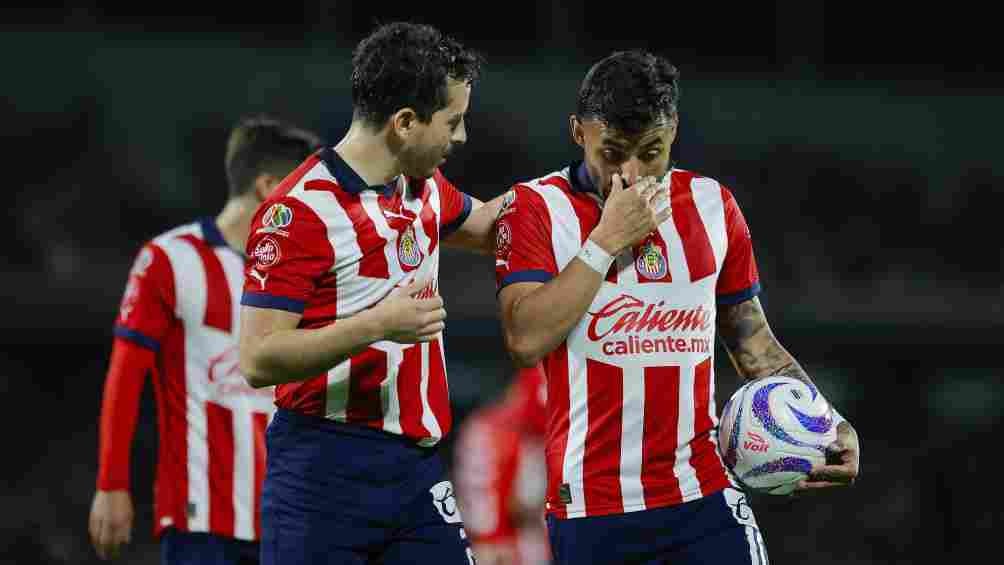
(266, 253)
(651, 263)
(408, 251)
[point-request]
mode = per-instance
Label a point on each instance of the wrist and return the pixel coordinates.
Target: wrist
(602, 240)
(595, 256)
(373, 326)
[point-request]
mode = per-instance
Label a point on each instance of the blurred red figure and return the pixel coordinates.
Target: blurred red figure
(500, 474)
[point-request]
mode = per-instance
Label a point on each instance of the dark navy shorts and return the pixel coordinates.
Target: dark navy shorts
(185, 548)
(716, 529)
(337, 493)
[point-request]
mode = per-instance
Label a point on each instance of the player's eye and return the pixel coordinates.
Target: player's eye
(652, 154)
(613, 156)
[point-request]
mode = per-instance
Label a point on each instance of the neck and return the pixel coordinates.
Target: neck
(369, 154)
(234, 220)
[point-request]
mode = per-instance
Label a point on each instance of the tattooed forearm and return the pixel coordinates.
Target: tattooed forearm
(754, 350)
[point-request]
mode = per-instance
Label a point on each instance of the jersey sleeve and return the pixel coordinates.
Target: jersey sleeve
(127, 371)
(288, 252)
(146, 312)
(455, 206)
(739, 280)
(523, 251)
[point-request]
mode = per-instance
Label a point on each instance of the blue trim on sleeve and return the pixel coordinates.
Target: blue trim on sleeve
(262, 300)
(459, 220)
(737, 297)
(137, 338)
(529, 275)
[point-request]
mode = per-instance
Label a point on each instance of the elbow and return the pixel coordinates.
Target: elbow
(253, 374)
(524, 354)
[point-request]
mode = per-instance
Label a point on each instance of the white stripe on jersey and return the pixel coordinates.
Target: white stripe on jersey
(428, 418)
(337, 391)
(190, 283)
(561, 239)
(632, 432)
(243, 475)
(708, 201)
(690, 487)
(389, 398)
(578, 426)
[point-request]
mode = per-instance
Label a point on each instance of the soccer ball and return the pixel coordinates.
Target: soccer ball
(772, 431)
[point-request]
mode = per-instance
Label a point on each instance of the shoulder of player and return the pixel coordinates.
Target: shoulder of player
(702, 186)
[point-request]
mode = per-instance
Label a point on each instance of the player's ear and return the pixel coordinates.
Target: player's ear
(264, 184)
(403, 122)
(575, 128)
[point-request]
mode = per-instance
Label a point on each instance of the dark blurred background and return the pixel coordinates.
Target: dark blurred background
(860, 141)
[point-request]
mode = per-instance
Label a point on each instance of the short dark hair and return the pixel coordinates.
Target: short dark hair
(264, 144)
(405, 65)
(630, 90)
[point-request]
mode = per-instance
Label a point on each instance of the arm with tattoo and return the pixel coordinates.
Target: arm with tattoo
(756, 354)
(754, 350)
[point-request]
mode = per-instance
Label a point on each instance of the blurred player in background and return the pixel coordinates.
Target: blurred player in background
(501, 477)
(178, 322)
(610, 273)
(342, 311)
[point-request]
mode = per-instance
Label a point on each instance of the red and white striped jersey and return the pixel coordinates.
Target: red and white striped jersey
(181, 302)
(500, 475)
(632, 417)
(328, 246)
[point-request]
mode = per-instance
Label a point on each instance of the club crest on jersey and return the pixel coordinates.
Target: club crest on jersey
(266, 253)
(277, 216)
(651, 264)
(408, 252)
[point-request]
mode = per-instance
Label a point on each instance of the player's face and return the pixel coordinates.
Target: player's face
(433, 142)
(608, 151)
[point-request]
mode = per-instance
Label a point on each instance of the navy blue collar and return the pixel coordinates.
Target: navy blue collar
(348, 179)
(211, 234)
(579, 176)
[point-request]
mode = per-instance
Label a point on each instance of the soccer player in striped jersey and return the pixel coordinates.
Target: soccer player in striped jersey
(342, 312)
(614, 273)
(500, 476)
(178, 323)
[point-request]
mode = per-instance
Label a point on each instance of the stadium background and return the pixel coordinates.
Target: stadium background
(861, 144)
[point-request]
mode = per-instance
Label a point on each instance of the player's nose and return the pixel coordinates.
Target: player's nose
(632, 168)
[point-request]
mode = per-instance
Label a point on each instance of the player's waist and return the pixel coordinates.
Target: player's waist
(337, 428)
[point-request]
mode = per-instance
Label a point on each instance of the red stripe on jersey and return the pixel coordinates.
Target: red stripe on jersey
(218, 301)
(292, 179)
(662, 401)
(374, 262)
(696, 243)
(306, 397)
(439, 392)
(170, 395)
(651, 259)
(259, 424)
(220, 436)
(704, 457)
(428, 216)
(605, 386)
(556, 369)
(409, 392)
(367, 370)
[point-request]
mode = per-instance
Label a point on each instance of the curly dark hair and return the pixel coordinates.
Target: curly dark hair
(264, 144)
(405, 65)
(630, 90)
